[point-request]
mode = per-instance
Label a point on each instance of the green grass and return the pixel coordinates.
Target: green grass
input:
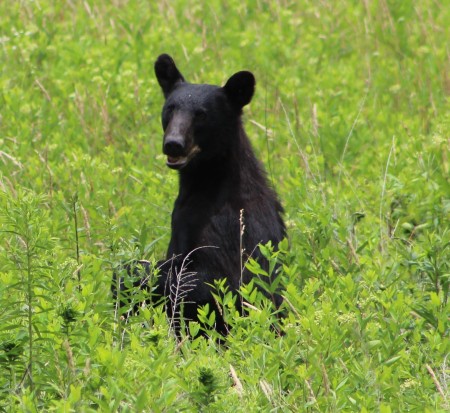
(350, 117)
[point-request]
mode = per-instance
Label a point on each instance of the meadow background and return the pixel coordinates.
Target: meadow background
(351, 119)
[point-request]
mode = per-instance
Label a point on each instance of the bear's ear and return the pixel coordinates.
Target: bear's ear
(239, 88)
(167, 74)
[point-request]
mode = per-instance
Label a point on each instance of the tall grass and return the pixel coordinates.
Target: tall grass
(351, 118)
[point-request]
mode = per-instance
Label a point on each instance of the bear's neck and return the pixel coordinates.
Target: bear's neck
(234, 174)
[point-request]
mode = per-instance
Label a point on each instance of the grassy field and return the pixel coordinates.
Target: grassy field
(351, 118)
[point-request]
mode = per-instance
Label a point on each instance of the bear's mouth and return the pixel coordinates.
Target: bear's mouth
(179, 162)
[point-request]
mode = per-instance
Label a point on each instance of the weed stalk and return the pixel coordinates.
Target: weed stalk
(74, 201)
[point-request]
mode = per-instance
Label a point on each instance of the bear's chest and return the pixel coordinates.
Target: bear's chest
(204, 225)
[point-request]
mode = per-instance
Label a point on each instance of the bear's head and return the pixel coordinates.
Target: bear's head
(199, 121)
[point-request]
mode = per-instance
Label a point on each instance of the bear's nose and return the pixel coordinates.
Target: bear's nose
(174, 146)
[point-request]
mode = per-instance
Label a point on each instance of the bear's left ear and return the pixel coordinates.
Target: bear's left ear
(240, 88)
(167, 74)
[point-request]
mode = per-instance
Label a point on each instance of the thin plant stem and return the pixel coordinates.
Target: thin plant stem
(29, 299)
(77, 243)
(241, 247)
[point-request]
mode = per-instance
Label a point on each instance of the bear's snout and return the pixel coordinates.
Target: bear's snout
(178, 141)
(174, 147)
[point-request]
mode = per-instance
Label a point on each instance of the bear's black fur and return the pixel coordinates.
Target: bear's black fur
(219, 176)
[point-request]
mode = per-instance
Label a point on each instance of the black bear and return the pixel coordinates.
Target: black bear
(222, 190)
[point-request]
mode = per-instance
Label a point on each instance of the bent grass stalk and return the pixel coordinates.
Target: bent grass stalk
(185, 282)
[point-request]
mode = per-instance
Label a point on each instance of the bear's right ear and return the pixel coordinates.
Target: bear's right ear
(167, 74)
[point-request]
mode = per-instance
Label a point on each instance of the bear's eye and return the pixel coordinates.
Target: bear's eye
(200, 115)
(169, 109)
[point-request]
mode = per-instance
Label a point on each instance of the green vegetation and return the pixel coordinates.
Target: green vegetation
(351, 118)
